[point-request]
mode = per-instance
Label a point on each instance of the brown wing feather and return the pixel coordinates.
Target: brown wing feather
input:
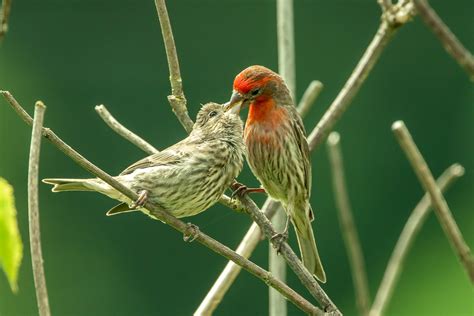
(165, 157)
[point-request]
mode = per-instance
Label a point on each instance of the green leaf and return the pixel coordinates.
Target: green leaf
(11, 248)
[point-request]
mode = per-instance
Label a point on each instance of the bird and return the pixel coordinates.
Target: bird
(185, 178)
(278, 152)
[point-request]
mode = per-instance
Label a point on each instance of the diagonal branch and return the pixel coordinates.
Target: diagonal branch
(306, 278)
(451, 43)
(33, 212)
(123, 131)
(348, 227)
(163, 216)
(177, 99)
(309, 97)
(4, 16)
(440, 206)
(406, 239)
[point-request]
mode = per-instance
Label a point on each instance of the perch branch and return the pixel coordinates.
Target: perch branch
(440, 206)
(33, 212)
(309, 97)
(450, 42)
(391, 21)
(348, 227)
(123, 131)
(306, 278)
(4, 16)
(406, 239)
(177, 99)
(286, 67)
(383, 35)
(163, 216)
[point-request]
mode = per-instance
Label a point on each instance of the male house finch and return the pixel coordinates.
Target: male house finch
(184, 179)
(278, 153)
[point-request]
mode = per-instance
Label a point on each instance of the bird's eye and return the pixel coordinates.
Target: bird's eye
(254, 92)
(212, 113)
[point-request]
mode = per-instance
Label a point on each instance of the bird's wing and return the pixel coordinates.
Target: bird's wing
(300, 135)
(169, 156)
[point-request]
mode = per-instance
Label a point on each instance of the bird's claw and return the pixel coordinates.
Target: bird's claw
(191, 232)
(279, 239)
(241, 189)
(141, 200)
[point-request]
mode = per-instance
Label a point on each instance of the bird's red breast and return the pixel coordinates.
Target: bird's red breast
(264, 118)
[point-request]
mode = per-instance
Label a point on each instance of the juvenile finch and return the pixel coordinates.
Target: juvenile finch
(184, 179)
(278, 153)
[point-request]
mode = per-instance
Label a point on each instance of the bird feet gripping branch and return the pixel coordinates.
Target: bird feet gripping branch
(282, 237)
(241, 189)
(191, 232)
(141, 200)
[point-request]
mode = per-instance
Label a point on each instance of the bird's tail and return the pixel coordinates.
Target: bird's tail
(308, 249)
(60, 185)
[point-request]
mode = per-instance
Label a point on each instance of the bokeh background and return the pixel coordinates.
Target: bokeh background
(74, 55)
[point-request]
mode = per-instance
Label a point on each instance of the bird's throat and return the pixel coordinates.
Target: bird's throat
(264, 112)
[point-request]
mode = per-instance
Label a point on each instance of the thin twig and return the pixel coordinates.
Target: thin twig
(371, 55)
(177, 99)
(348, 227)
(440, 206)
(332, 115)
(165, 217)
(286, 67)
(450, 42)
(309, 97)
(33, 212)
(4, 16)
(123, 131)
(306, 278)
(406, 239)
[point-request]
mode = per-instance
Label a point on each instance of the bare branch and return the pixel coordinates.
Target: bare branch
(306, 278)
(177, 99)
(232, 270)
(406, 239)
(33, 212)
(371, 55)
(309, 97)
(348, 227)
(165, 217)
(450, 42)
(4, 15)
(385, 4)
(440, 206)
(123, 131)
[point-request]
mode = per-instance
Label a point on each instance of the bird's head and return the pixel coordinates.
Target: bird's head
(213, 120)
(258, 86)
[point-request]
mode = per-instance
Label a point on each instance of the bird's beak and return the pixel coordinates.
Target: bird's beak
(235, 103)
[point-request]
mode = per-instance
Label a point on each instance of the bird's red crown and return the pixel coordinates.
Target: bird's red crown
(252, 77)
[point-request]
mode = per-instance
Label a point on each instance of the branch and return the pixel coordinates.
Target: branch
(4, 15)
(177, 99)
(291, 258)
(123, 131)
(406, 239)
(348, 227)
(309, 97)
(332, 115)
(391, 21)
(33, 212)
(163, 216)
(440, 206)
(450, 42)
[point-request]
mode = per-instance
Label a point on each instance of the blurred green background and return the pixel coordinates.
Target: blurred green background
(74, 55)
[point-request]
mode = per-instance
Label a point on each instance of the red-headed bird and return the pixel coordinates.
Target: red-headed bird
(278, 153)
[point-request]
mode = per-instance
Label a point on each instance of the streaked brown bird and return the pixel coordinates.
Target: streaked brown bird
(184, 179)
(278, 153)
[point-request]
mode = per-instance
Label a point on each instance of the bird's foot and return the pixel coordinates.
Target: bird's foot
(278, 239)
(191, 232)
(241, 189)
(141, 200)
